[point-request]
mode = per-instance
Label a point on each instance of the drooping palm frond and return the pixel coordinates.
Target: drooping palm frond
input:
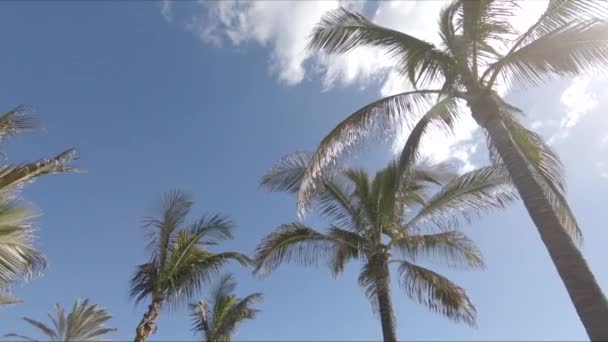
(7, 299)
(293, 242)
(568, 50)
(13, 176)
(86, 322)
(384, 116)
(465, 197)
(549, 170)
(368, 281)
(451, 248)
(19, 259)
(341, 31)
(436, 292)
(348, 246)
(287, 173)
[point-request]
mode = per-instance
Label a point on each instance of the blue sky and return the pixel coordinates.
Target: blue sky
(205, 97)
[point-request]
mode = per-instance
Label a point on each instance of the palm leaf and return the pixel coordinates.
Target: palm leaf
(348, 246)
(16, 121)
(12, 176)
(466, 196)
(291, 242)
(6, 299)
(286, 174)
(436, 292)
(452, 248)
(384, 115)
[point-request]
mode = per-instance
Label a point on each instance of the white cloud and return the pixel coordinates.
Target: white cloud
(167, 10)
(604, 140)
(578, 101)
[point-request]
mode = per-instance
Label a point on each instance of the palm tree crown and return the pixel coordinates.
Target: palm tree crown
(479, 52)
(19, 259)
(86, 322)
(180, 262)
(382, 220)
(219, 316)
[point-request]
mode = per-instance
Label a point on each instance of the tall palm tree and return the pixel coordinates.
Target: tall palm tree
(180, 263)
(392, 218)
(218, 317)
(479, 51)
(86, 322)
(18, 258)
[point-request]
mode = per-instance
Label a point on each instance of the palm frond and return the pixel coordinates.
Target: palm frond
(568, 50)
(18, 257)
(338, 205)
(549, 170)
(46, 330)
(286, 174)
(341, 31)
(243, 309)
(367, 280)
(384, 116)
(6, 299)
(145, 281)
(213, 229)
(452, 248)
(200, 318)
(466, 196)
(16, 121)
(22, 337)
(13, 176)
(348, 246)
(436, 292)
(291, 242)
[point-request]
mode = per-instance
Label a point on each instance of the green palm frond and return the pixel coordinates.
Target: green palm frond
(348, 246)
(436, 292)
(451, 248)
(219, 316)
(293, 242)
(568, 50)
(18, 257)
(384, 115)
(14, 176)
(86, 322)
(466, 196)
(367, 280)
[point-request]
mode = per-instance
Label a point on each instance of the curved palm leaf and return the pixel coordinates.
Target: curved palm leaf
(466, 196)
(436, 292)
(291, 242)
(16, 121)
(86, 322)
(452, 248)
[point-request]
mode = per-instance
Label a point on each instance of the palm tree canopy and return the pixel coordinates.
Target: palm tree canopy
(219, 316)
(409, 211)
(479, 51)
(19, 260)
(86, 322)
(180, 261)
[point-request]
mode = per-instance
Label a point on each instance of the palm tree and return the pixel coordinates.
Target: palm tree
(180, 263)
(86, 322)
(218, 317)
(19, 259)
(393, 218)
(479, 51)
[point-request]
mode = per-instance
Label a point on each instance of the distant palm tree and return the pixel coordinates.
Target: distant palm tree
(18, 257)
(180, 263)
(381, 221)
(479, 51)
(218, 317)
(86, 322)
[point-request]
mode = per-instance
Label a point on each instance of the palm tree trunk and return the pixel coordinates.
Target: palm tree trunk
(147, 325)
(583, 289)
(383, 289)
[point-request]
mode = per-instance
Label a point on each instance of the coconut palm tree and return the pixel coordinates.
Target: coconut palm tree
(180, 262)
(480, 51)
(219, 316)
(393, 218)
(19, 259)
(86, 322)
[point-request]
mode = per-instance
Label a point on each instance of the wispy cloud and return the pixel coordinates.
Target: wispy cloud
(167, 10)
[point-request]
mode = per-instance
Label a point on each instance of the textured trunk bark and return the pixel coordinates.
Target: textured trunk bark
(385, 304)
(583, 289)
(147, 325)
